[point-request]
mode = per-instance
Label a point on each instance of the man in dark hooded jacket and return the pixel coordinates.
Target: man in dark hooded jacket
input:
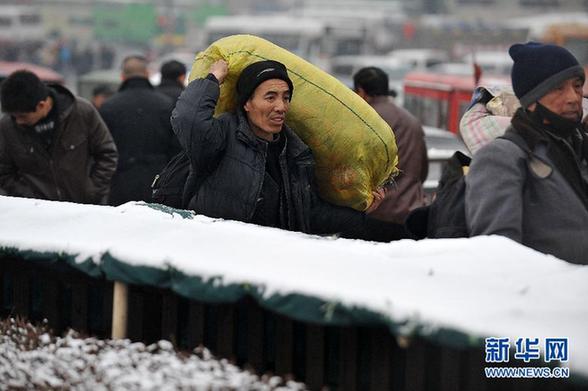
(250, 166)
(138, 118)
(53, 145)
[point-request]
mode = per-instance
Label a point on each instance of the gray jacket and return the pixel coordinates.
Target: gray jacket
(533, 204)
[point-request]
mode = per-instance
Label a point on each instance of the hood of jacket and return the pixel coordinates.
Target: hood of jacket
(65, 99)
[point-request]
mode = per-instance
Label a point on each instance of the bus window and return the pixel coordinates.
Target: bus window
(443, 114)
(414, 105)
(431, 113)
(440, 100)
(20, 23)
(5, 21)
(30, 19)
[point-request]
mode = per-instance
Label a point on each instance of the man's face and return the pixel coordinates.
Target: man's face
(566, 99)
(267, 108)
(32, 117)
(99, 99)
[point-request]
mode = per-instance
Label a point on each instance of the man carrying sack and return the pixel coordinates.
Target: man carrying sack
(248, 165)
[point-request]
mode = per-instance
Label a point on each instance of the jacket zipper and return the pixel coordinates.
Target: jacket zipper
(58, 190)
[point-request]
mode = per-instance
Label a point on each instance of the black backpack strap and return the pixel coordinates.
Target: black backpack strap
(519, 141)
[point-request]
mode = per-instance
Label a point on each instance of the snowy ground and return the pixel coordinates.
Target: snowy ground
(30, 358)
(479, 287)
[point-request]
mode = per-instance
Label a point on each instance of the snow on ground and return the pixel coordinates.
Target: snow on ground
(32, 359)
(484, 286)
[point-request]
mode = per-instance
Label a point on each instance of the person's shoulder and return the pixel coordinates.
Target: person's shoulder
(162, 97)
(84, 107)
(503, 144)
(5, 122)
(499, 151)
(115, 100)
(84, 104)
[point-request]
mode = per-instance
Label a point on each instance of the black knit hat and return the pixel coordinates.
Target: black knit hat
(258, 72)
(538, 68)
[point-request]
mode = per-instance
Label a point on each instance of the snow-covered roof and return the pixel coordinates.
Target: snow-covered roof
(477, 287)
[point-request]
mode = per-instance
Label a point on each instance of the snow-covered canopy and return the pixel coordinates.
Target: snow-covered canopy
(481, 287)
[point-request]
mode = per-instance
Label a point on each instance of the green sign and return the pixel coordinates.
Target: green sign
(125, 23)
(200, 14)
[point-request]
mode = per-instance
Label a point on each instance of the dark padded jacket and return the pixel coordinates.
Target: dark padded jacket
(228, 164)
(138, 118)
(171, 88)
(79, 165)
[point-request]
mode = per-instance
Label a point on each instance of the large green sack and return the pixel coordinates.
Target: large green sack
(354, 148)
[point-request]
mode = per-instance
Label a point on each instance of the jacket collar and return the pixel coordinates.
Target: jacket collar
(136, 82)
(170, 83)
(535, 133)
(558, 151)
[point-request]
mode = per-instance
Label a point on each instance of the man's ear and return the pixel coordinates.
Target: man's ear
(361, 92)
(247, 105)
(43, 104)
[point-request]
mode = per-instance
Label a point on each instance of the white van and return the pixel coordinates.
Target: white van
(420, 58)
(493, 62)
(300, 36)
(20, 23)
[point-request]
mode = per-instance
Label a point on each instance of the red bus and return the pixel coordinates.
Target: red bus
(439, 99)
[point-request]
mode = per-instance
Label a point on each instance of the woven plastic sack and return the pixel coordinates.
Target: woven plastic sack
(353, 147)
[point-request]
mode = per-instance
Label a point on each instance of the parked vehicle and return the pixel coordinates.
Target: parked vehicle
(420, 58)
(439, 99)
(344, 67)
(20, 23)
(492, 62)
(354, 28)
(301, 36)
(44, 73)
(441, 145)
(90, 80)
